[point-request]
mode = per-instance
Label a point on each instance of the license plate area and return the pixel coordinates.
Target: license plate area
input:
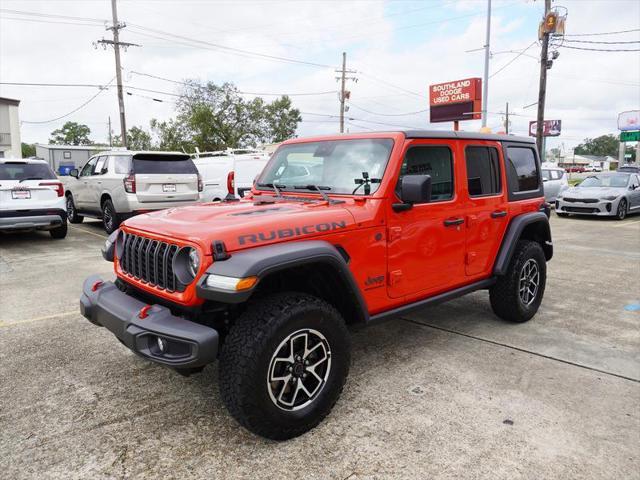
(20, 194)
(169, 187)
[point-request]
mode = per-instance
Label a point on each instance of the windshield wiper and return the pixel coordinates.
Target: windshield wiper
(276, 187)
(29, 178)
(317, 188)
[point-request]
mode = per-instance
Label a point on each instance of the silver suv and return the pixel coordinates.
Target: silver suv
(116, 185)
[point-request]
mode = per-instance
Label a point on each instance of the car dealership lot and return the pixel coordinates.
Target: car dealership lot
(448, 392)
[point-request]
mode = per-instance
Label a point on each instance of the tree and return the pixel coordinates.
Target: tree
(28, 150)
(215, 117)
(71, 133)
(137, 139)
(601, 146)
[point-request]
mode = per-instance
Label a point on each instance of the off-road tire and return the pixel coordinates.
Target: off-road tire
(506, 301)
(110, 218)
(59, 232)
(621, 212)
(72, 213)
(247, 354)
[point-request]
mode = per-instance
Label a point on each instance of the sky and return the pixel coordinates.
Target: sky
(396, 47)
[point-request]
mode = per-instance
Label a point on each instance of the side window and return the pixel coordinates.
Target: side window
(434, 161)
(635, 182)
(547, 174)
(522, 169)
(122, 164)
(101, 166)
(483, 171)
(88, 168)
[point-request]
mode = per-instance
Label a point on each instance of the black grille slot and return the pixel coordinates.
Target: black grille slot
(150, 261)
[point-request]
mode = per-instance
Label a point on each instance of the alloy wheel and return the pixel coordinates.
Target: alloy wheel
(70, 207)
(622, 209)
(299, 369)
(107, 217)
(529, 282)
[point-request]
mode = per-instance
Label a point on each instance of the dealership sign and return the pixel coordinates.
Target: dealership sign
(550, 128)
(629, 120)
(457, 100)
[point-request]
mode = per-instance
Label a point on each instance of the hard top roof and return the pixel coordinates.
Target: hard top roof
(467, 136)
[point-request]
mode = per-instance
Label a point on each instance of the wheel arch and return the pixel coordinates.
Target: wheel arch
(104, 197)
(532, 226)
(314, 267)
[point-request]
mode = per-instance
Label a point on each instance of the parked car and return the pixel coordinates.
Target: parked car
(31, 197)
(575, 169)
(629, 169)
(593, 168)
(555, 182)
(228, 174)
(118, 184)
(605, 194)
(384, 223)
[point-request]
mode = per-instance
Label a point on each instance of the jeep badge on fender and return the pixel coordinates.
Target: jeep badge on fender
(337, 232)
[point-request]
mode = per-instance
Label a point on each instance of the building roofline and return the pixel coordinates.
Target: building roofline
(9, 101)
(51, 146)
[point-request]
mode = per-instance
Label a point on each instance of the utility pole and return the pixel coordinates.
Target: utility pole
(542, 92)
(506, 120)
(116, 43)
(110, 139)
(344, 94)
(487, 53)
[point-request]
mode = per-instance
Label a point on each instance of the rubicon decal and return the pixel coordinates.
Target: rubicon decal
(261, 237)
(376, 281)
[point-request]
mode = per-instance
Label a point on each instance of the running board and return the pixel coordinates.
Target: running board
(442, 297)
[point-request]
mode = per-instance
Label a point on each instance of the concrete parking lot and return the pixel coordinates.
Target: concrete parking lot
(449, 392)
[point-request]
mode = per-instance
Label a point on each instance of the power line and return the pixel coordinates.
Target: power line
(389, 114)
(72, 111)
(602, 49)
(513, 59)
(38, 20)
(601, 33)
(605, 43)
(51, 15)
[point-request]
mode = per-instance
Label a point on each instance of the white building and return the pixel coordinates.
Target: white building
(10, 145)
(71, 156)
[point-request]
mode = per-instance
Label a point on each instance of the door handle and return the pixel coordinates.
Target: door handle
(450, 222)
(499, 213)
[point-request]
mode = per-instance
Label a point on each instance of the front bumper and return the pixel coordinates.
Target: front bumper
(186, 344)
(601, 208)
(41, 219)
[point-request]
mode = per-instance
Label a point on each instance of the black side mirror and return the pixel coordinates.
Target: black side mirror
(74, 173)
(413, 189)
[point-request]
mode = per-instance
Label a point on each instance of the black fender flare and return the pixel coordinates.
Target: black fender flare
(262, 261)
(514, 233)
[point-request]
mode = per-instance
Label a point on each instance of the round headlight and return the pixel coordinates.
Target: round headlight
(194, 262)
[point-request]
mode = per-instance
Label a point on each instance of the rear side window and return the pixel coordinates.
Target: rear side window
(23, 171)
(483, 171)
(556, 174)
(522, 169)
(122, 164)
(434, 161)
(164, 165)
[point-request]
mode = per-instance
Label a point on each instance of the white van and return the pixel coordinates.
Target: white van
(228, 174)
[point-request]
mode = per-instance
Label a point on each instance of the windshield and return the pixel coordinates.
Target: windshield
(337, 166)
(616, 181)
(22, 171)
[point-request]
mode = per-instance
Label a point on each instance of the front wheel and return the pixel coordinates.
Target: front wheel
(621, 213)
(516, 296)
(72, 213)
(284, 364)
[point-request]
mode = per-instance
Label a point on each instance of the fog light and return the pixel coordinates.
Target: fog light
(163, 346)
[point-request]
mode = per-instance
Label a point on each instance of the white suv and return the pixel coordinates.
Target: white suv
(31, 197)
(116, 185)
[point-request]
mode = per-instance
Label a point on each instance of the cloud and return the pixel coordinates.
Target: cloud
(396, 48)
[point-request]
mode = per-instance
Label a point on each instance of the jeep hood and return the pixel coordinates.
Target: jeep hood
(244, 224)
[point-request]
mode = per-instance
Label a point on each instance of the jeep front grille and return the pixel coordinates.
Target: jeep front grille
(150, 261)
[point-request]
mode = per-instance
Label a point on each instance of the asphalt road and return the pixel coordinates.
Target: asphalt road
(449, 392)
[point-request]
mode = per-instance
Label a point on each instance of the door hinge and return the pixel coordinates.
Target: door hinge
(394, 233)
(395, 277)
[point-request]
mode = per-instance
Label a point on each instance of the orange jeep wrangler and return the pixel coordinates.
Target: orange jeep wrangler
(338, 231)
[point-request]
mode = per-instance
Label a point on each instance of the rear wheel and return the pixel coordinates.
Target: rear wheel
(59, 232)
(516, 296)
(72, 213)
(621, 213)
(110, 218)
(284, 364)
